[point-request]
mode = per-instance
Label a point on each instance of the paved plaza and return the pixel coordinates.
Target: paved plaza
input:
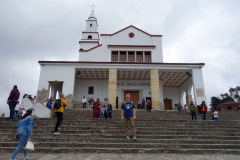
(96, 156)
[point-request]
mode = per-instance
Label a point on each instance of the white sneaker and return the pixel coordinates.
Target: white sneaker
(56, 133)
(25, 158)
(134, 137)
(127, 137)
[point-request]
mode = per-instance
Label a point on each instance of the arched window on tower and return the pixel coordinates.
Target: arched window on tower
(89, 37)
(90, 25)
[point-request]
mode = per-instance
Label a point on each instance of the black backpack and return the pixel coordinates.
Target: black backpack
(57, 104)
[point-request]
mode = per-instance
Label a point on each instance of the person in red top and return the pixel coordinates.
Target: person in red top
(148, 105)
(12, 100)
(203, 110)
(96, 109)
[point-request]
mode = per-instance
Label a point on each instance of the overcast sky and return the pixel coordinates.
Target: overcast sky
(193, 31)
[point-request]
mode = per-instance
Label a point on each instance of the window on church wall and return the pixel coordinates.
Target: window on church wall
(90, 90)
(89, 37)
(147, 56)
(90, 25)
(114, 55)
(123, 56)
(131, 56)
(139, 56)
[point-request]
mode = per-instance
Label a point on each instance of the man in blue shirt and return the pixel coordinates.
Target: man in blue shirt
(143, 103)
(129, 114)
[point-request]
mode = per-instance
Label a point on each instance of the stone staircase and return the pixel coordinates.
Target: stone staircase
(157, 132)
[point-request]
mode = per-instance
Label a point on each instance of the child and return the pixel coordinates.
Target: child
(215, 113)
(106, 112)
(102, 109)
(17, 107)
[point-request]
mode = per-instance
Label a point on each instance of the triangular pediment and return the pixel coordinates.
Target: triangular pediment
(131, 26)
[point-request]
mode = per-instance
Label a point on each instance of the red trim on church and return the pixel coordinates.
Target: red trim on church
(89, 42)
(90, 49)
(129, 27)
(142, 46)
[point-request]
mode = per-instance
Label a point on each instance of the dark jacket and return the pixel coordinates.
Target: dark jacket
(14, 95)
(110, 108)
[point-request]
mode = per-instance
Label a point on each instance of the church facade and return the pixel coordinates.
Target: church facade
(127, 61)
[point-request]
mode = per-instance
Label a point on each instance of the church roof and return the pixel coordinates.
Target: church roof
(202, 64)
(129, 27)
(92, 15)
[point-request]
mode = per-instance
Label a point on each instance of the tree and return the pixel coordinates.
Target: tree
(235, 93)
(232, 96)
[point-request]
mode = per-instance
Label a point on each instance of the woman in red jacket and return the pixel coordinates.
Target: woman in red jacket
(96, 110)
(203, 110)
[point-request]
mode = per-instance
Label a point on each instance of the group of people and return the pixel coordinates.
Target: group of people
(34, 100)
(142, 103)
(202, 109)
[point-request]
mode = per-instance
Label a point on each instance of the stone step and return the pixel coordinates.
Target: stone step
(210, 132)
(124, 150)
(121, 128)
(124, 145)
(123, 140)
(141, 136)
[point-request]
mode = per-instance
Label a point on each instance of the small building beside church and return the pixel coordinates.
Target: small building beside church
(112, 65)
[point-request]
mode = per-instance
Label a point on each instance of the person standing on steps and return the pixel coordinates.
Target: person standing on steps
(109, 110)
(192, 109)
(129, 114)
(12, 100)
(179, 107)
(148, 105)
(24, 132)
(84, 101)
(143, 103)
(203, 110)
(59, 113)
(96, 109)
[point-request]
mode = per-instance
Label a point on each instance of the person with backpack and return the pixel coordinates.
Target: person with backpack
(109, 110)
(59, 108)
(129, 114)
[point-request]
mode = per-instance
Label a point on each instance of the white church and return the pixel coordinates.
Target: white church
(112, 65)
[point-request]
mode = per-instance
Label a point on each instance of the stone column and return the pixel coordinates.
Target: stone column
(189, 99)
(112, 86)
(155, 92)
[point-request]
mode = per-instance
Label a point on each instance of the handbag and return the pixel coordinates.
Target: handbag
(29, 145)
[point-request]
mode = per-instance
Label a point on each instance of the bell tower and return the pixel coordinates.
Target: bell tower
(90, 37)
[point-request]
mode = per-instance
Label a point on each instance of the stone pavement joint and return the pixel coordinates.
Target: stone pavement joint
(128, 156)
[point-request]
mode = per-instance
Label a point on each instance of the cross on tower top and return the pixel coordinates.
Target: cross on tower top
(93, 6)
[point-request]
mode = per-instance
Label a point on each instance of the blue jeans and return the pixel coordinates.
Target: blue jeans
(179, 111)
(12, 105)
(215, 118)
(15, 114)
(102, 116)
(22, 142)
(84, 105)
(204, 115)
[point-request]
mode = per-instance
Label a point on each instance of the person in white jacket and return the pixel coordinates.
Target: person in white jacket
(16, 110)
(84, 101)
